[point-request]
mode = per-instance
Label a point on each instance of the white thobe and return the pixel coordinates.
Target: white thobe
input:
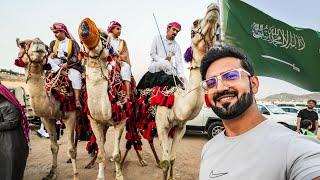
(74, 75)
(159, 51)
(125, 71)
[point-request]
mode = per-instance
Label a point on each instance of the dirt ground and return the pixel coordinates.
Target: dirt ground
(186, 165)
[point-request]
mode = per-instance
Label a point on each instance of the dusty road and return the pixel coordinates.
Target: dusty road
(186, 166)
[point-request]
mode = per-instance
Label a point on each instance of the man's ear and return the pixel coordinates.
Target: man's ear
(254, 84)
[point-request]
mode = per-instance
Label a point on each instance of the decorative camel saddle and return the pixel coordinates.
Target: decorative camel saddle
(56, 84)
(146, 105)
(59, 85)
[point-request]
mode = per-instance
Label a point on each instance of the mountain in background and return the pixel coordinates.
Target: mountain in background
(286, 97)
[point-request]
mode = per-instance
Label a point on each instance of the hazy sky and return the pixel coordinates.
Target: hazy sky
(29, 19)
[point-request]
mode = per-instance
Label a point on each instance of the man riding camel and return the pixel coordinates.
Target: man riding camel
(166, 68)
(121, 53)
(64, 54)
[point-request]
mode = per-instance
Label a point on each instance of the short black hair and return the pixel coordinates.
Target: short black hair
(305, 123)
(312, 100)
(219, 52)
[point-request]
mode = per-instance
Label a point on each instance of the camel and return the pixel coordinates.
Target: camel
(187, 103)
(44, 105)
(98, 101)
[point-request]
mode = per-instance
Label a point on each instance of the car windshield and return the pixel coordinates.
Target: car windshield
(275, 109)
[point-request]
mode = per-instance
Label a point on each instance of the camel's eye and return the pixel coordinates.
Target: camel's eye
(196, 22)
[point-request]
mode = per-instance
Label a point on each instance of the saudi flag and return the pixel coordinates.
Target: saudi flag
(276, 49)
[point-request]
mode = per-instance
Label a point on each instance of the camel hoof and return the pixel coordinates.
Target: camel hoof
(50, 176)
(164, 165)
(119, 177)
(143, 163)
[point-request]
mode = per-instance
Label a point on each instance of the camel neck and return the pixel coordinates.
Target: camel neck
(194, 78)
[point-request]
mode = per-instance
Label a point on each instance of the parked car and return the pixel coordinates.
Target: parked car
(23, 98)
(290, 109)
(207, 122)
(274, 113)
(300, 106)
(285, 105)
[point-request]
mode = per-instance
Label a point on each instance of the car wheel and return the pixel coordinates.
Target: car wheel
(215, 128)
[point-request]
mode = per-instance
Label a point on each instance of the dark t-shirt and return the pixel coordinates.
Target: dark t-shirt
(310, 115)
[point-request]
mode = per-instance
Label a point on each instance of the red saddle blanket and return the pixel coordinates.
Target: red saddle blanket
(60, 87)
(146, 106)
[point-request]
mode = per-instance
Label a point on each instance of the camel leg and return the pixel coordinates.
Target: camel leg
(124, 158)
(154, 152)
(165, 141)
(50, 125)
(72, 152)
(176, 141)
(91, 163)
(99, 132)
(76, 138)
(141, 160)
(116, 151)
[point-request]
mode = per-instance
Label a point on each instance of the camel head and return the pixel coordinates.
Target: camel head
(32, 51)
(203, 31)
(93, 46)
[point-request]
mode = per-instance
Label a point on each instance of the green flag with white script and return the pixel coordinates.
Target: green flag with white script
(276, 49)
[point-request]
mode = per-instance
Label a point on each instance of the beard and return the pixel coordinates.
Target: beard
(310, 107)
(232, 111)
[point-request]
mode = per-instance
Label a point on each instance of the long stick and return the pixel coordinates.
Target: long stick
(174, 78)
(154, 17)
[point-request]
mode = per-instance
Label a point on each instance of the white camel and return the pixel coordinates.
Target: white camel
(187, 103)
(98, 100)
(44, 105)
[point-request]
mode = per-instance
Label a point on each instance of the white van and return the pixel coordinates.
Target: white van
(274, 113)
(207, 122)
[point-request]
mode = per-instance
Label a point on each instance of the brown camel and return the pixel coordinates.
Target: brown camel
(44, 105)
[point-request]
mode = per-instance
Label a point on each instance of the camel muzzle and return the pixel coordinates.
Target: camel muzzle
(85, 30)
